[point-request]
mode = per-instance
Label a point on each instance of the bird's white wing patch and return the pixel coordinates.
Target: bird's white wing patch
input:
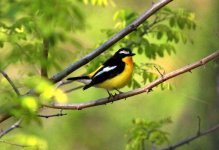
(124, 52)
(106, 69)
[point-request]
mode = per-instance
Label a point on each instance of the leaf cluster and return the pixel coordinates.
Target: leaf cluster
(26, 106)
(25, 25)
(147, 134)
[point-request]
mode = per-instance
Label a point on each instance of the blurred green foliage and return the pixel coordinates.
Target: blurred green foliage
(99, 2)
(147, 134)
(26, 24)
(24, 27)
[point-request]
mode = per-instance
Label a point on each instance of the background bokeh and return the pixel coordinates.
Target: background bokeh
(105, 127)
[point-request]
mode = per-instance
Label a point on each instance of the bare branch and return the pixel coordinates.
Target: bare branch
(15, 125)
(10, 81)
(73, 89)
(50, 116)
(53, 115)
(190, 139)
(62, 83)
(5, 116)
(147, 88)
(14, 144)
(130, 28)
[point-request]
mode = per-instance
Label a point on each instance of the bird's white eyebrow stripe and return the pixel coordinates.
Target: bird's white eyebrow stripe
(106, 69)
(124, 52)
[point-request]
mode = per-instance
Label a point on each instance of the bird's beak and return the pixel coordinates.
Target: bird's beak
(132, 54)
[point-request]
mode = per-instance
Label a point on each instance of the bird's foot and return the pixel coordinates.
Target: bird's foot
(111, 96)
(120, 92)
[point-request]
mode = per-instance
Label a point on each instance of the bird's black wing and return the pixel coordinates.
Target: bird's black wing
(111, 61)
(111, 68)
(78, 78)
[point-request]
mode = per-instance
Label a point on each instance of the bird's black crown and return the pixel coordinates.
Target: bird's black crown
(124, 52)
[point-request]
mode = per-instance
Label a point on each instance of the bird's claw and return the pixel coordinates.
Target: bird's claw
(111, 96)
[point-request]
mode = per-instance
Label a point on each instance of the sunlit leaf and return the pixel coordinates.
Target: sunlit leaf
(47, 91)
(31, 141)
(29, 103)
(60, 96)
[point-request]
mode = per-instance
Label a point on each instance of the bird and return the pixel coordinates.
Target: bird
(113, 74)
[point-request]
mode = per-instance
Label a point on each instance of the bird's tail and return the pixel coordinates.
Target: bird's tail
(78, 78)
(83, 79)
(86, 86)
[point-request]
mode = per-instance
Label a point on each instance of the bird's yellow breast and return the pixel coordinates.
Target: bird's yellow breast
(121, 79)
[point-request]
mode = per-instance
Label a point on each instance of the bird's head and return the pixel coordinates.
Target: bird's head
(124, 52)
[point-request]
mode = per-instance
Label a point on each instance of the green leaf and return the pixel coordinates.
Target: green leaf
(46, 90)
(29, 103)
(32, 141)
(172, 22)
(145, 77)
(144, 131)
(140, 50)
(159, 35)
(135, 84)
(181, 23)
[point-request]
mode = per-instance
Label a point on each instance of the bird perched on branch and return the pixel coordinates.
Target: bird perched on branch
(113, 74)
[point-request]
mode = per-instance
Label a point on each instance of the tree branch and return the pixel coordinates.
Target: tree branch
(14, 144)
(50, 116)
(73, 89)
(5, 116)
(190, 139)
(130, 28)
(15, 125)
(147, 88)
(10, 81)
(53, 115)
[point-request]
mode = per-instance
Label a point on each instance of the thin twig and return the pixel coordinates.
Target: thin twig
(158, 71)
(145, 30)
(53, 115)
(73, 89)
(10, 81)
(62, 83)
(15, 125)
(14, 144)
(139, 90)
(194, 137)
(130, 28)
